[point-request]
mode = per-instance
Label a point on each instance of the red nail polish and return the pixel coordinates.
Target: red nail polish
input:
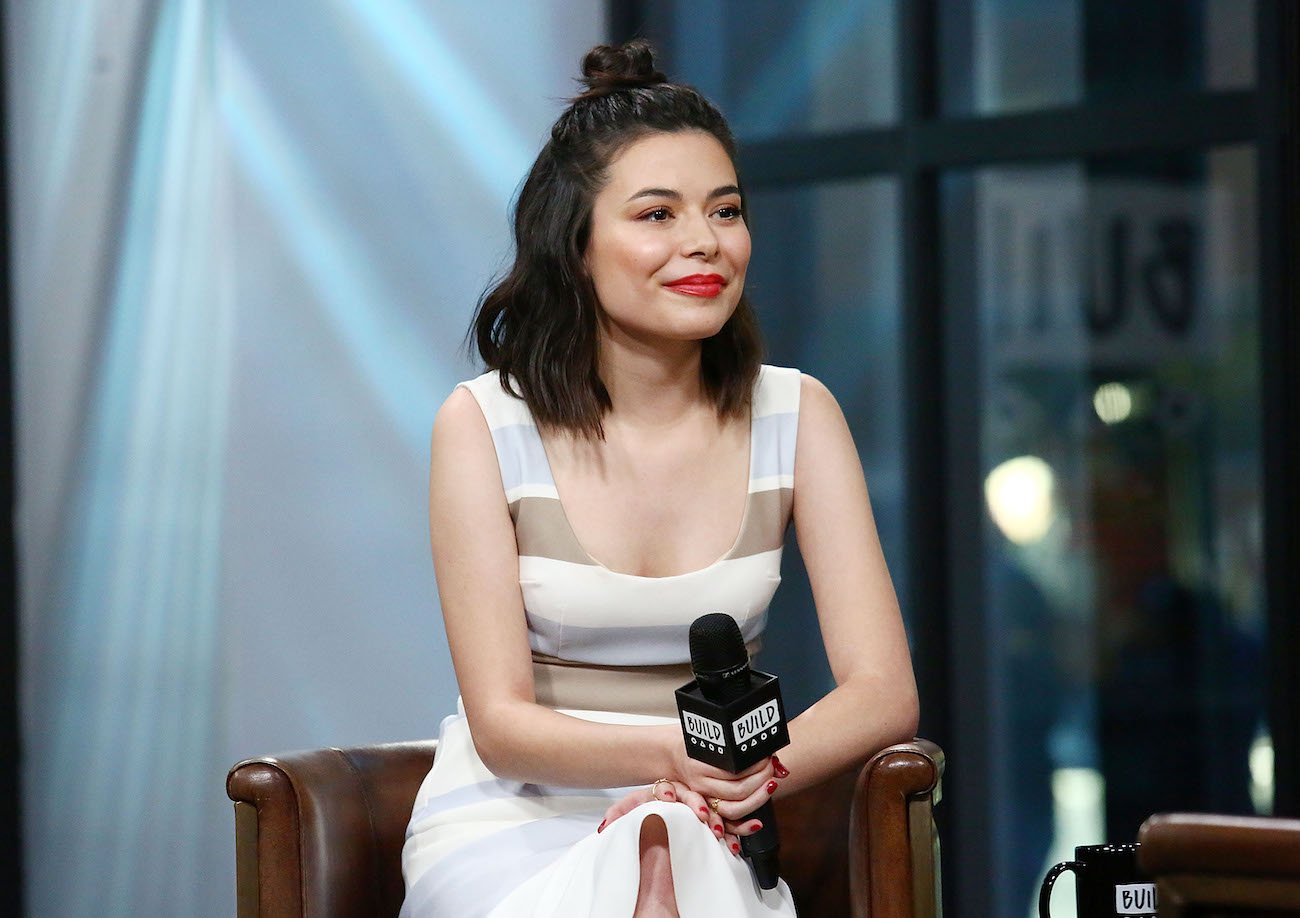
(735, 848)
(781, 770)
(755, 826)
(717, 830)
(704, 811)
(601, 828)
(771, 787)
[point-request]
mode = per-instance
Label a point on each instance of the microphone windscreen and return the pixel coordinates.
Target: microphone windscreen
(716, 644)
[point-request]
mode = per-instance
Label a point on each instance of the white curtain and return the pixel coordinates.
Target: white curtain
(248, 237)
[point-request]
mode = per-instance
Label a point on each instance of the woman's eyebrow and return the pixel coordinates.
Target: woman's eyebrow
(677, 195)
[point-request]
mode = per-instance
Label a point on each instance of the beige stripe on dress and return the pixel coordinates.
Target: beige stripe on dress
(632, 689)
(543, 531)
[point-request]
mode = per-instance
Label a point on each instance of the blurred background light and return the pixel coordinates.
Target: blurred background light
(1019, 497)
(1113, 402)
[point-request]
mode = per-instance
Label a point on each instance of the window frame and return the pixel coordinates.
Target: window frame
(942, 410)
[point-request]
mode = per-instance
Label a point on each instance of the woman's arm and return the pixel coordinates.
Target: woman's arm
(476, 560)
(874, 703)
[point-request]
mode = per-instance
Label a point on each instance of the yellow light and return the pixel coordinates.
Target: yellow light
(1261, 773)
(1113, 402)
(1019, 497)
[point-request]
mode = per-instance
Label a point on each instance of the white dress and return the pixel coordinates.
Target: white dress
(608, 647)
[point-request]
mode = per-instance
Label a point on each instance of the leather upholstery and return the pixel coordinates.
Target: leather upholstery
(319, 833)
(1210, 865)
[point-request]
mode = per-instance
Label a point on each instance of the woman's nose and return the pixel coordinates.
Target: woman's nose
(699, 238)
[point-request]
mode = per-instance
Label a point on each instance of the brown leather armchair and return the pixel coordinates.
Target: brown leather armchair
(320, 833)
(1218, 866)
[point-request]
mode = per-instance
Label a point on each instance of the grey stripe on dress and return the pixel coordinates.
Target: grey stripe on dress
(473, 879)
(497, 789)
(521, 456)
(773, 444)
(622, 645)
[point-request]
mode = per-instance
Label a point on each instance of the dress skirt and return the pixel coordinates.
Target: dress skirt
(478, 845)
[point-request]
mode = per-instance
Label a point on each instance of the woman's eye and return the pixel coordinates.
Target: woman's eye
(658, 215)
(729, 211)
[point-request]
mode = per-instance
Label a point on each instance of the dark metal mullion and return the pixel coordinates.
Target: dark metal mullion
(802, 160)
(927, 454)
(1279, 196)
(1187, 121)
(923, 371)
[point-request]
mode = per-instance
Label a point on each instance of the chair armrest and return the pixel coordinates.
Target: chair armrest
(1203, 843)
(1222, 865)
(320, 832)
(894, 848)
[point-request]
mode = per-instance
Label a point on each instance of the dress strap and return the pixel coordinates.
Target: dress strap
(775, 428)
(525, 471)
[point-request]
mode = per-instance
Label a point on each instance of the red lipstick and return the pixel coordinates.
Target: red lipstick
(706, 285)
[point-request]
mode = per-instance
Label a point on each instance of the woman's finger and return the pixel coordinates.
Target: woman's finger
(696, 771)
(760, 766)
(737, 810)
(744, 826)
(735, 797)
(615, 810)
(704, 808)
(699, 806)
(629, 802)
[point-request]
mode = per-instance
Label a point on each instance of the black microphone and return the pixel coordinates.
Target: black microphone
(732, 717)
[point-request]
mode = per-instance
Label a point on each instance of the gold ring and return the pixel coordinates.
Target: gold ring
(714, 803)
(654, 788)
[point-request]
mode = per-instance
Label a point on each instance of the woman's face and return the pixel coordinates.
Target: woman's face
(668, 247)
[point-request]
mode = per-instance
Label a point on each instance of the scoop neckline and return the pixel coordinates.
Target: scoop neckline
(592, 559)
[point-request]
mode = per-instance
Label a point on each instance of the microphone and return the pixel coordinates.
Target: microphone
(732, 717)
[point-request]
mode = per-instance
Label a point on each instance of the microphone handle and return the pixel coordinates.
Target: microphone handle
(762, 847)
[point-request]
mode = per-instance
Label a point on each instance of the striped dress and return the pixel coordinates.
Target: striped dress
(606, 646)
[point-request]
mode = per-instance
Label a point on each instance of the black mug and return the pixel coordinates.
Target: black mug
(1107, 883)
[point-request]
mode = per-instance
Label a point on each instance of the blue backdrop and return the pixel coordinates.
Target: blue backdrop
(248, 238)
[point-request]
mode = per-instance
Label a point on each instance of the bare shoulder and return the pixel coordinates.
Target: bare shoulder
(459, 416)
(461, 453)
(827, 470)
(820, 415)
(460, 429)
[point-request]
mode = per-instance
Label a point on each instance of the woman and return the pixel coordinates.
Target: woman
(625, 466)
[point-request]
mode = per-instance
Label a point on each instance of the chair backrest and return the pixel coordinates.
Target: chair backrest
(320, 833)
(1214, 865)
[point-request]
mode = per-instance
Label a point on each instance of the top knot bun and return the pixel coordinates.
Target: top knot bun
(607, 68)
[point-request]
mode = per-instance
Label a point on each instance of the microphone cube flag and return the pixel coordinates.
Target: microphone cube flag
(738, 733)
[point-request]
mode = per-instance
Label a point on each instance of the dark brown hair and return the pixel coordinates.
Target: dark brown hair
(538, 324)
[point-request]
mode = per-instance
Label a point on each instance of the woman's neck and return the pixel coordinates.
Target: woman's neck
(651, 386)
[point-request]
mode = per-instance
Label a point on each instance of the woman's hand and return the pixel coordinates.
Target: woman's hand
(672, 792)
(734, 797)
(718, 798)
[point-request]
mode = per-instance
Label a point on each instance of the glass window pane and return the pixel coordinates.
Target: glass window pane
(1012, 55)
(824, 278)
(775, 67)
(1120, 447)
